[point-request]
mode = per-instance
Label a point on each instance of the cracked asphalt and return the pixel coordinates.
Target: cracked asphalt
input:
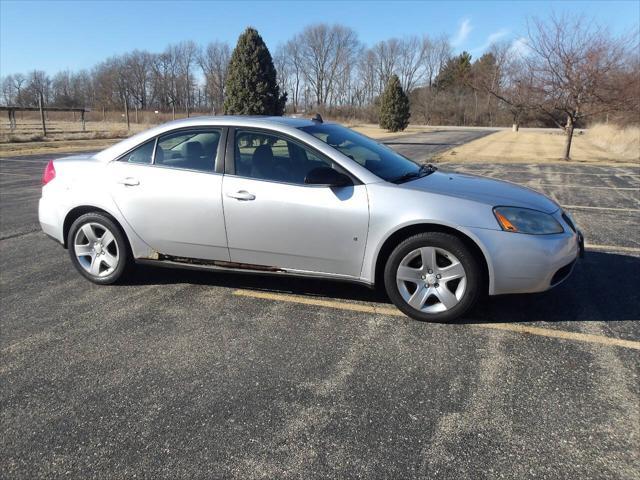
(176, 375)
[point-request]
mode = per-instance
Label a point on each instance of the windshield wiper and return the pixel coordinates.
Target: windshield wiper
(425, 169)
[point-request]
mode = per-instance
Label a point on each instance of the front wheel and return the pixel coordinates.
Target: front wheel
(433, 277)
(98, 248)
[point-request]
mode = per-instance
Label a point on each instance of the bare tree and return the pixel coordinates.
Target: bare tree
(166, 79)
(327, 51)
(367, 78)
(387, 55)
(138, 68)
(508, 80)
(436, 54)
(290, 69)
(9, 93)
(411, 62)
(186, 54)
(214, 62)
(573, 65)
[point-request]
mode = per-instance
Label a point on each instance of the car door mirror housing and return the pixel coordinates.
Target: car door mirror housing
(327, 176)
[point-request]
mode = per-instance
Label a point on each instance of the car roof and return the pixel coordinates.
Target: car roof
(284, 124)
(243, 120)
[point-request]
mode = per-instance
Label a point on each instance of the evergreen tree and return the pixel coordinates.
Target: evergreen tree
(455, 73)
(251, 87)
(394, 106)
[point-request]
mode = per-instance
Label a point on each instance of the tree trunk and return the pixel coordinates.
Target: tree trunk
(173, 111)
(475, 112)
(126, 112)
(137, 113)
(569, 132)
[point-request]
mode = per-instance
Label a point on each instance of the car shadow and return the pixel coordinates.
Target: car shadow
(602, 287)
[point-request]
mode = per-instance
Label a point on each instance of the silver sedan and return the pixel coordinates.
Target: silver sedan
(287, 196)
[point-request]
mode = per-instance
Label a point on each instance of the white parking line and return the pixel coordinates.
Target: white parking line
(378, 310)
(581, 186)
(585, 207)
(615, 248)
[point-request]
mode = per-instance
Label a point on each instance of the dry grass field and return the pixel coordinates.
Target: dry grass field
(601, 143)
(64, 135)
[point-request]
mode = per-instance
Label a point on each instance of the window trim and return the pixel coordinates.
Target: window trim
(218, 167)
(230, 156)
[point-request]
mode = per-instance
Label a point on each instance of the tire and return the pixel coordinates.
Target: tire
(433, 294)
(99, 257)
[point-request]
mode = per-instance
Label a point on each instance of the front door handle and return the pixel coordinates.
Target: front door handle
(242, 195)
(129, 182)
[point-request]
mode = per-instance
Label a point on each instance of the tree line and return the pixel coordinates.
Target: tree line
(563, 72)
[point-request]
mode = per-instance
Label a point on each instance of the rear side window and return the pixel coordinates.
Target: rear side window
(142, 154)
(191, 150)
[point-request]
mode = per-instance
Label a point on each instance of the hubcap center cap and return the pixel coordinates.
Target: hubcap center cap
(98, 249)
(430, 279)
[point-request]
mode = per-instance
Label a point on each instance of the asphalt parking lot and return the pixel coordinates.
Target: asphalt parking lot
(190, 374)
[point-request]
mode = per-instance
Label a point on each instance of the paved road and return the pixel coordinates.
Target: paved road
(187, 374)
(423, 146)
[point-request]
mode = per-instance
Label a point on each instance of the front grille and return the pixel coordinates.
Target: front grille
(566, 218)
(562, 273)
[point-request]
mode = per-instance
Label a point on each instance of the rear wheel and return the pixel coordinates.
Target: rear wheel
(433, 277)
(98, 248)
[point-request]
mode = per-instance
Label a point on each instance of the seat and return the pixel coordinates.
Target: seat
(262, 165)
(195, 157)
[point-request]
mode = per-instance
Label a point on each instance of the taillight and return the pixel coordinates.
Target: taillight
(49, 173)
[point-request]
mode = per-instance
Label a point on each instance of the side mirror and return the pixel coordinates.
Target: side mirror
(327, 176)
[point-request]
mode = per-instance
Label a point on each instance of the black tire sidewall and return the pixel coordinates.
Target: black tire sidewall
(447, 242)
(121, 241)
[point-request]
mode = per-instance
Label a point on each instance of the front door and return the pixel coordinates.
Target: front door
(274, 219)
(170, 194)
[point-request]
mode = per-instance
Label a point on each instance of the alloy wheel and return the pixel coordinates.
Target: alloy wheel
(96, 249)
(431, 279)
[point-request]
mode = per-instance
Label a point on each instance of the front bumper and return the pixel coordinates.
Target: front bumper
(520, 263)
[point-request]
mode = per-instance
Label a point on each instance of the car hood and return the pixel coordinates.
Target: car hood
(482, 189)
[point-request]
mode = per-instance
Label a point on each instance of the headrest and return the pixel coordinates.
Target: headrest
(263, 154)
(194, 149)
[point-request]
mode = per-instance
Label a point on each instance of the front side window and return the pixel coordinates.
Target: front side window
(271, 157)
(191, 150)
(375, 157)
(143, 154)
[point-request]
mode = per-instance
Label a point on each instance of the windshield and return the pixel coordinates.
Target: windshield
(375, 157)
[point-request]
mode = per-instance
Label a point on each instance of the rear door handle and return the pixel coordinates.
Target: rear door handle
(242, 195)
(129, 182)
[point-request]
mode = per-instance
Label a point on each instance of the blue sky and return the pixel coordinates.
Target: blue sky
(56, 35)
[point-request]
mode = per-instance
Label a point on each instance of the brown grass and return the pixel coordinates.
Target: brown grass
(63, 136)
(621, 142)
(374, 131)
(606, 144)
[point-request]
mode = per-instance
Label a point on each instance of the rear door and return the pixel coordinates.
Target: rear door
(274, 219)
(169, 191)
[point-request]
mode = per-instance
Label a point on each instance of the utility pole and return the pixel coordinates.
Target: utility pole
(41, 106)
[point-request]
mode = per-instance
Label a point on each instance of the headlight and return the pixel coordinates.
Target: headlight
(524, 220)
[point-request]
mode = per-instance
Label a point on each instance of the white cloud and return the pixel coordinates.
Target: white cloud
(495, 36)
(519, 47)
(491, 39)
(462, 33)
